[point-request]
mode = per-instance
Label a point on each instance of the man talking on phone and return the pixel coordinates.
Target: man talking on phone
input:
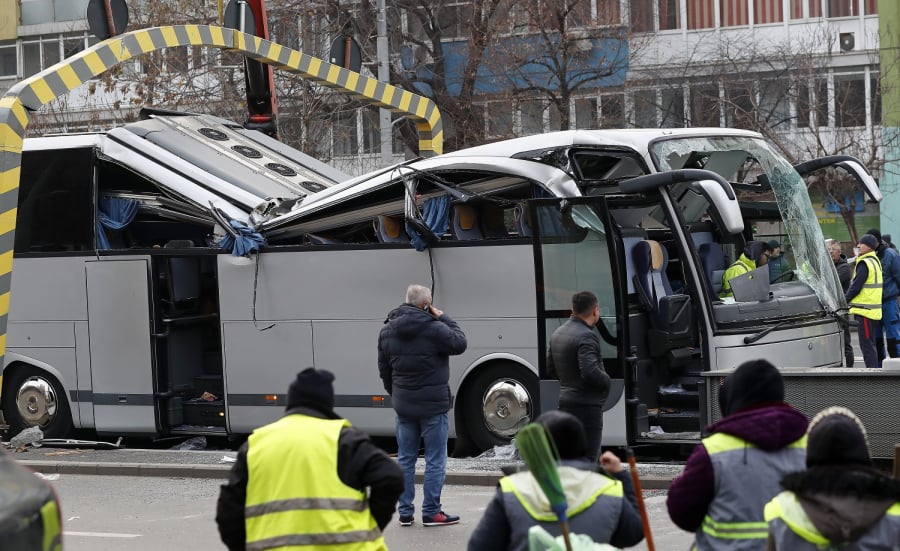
(414, 349)
(574, 358)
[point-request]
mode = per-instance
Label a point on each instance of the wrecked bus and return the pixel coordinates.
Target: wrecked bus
(128, 316)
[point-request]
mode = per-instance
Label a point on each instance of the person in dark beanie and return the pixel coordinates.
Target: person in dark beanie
(603, 499)
(275, 494)
(414, 349)
(840, 501)
(735, 470)
(888, 332)
(864, 298)
(845, 274)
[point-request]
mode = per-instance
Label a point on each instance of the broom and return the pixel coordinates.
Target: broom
(540, 455)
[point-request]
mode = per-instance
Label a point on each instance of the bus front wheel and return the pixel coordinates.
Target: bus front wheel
(32, 398)
(499, 401)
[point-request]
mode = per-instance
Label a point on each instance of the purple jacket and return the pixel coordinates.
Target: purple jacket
(768, 426)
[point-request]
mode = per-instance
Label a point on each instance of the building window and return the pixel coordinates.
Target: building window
(344, 139)
(739, 105)
(608, 12)
(701, 14)
(812, 103)
(734, 13)
(612, 111)
(499, 119)
(672, 108)
(586, 113)
(768, 11)
(644, 108)
(774, 104)
(843, 8)
(35, 12)
(455, 20)
(646, 13)
(532, 116)
(875, 95)
(8, 65)
(871, 7)
(849, 100)
(371, 130)
(705, 105)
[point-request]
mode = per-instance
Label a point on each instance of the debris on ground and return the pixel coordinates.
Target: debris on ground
(195, 443)
(31, 436)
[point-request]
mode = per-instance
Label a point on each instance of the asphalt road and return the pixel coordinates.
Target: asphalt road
(153, 513)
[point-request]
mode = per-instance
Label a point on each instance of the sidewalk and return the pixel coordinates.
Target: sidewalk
(217, 464)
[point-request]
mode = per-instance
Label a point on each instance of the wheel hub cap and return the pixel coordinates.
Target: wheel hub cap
(506, 408)
(36, 401)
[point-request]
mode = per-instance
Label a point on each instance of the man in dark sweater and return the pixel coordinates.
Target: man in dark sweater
(574, 358)
(845, 274)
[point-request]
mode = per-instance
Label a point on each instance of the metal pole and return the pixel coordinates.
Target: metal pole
(384, 75)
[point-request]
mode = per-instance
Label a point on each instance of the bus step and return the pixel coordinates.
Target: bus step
(676, 397)
(197, 430)
(204, 413)
(679, 421)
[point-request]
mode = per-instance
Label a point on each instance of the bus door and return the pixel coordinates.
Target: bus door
(574, 251)
(119, 323)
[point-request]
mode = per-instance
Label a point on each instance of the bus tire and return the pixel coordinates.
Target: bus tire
(32, 397)
(499, 400)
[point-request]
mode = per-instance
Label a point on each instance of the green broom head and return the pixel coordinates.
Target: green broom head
(540, 455)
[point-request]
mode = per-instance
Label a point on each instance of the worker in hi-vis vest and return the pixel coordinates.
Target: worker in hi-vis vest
(864, 298)
(735, 470)
(756, 255)
(309, 480)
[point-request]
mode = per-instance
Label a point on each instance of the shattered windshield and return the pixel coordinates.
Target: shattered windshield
(750, 163)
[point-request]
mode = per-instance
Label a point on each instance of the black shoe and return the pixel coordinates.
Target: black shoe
(440, 519)
(406, 520)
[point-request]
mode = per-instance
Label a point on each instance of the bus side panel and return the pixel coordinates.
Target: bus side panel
(81, 395)
(260, 363)
(47, 306)
(121, 353)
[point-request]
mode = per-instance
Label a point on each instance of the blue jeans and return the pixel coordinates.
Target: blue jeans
(434, 431)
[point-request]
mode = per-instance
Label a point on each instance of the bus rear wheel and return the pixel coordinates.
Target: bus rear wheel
(32, 398)
(499, 401)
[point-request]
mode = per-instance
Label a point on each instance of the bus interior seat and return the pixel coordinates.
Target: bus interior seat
(713, 261)
(389, 229)
(630, 238)
(670, 314)
(493, 223)
(322, 239)
(464, 223)
(522, 220)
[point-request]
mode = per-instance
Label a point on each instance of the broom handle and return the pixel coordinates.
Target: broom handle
(645, 521)
(564, 529)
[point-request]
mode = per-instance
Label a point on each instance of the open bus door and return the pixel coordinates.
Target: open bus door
(573, 251)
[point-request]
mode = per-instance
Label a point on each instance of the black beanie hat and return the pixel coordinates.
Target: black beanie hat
(567, 433)
(874, 232)
(312, 388)
(752, 383)
(836, 436)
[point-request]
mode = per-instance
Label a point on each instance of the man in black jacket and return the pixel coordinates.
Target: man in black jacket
(296, 457)
(414, 347)
(845, 274)
(574, 358)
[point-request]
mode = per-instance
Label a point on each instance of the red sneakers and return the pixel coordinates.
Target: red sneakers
(440, 519)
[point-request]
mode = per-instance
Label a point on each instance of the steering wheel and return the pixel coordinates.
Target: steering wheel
(786, 276)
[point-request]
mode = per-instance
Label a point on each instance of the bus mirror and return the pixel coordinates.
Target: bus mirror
(724, 208)
(852, 165)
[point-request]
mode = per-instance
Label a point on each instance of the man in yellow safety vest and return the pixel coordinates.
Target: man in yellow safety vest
(309, 480)
(864, 298)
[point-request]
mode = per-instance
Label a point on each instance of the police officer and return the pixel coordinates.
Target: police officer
(309, 479)
(864, 298)
(735, 470)
(840, 501)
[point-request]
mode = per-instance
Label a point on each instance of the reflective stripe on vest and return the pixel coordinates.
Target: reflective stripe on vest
(746, 477)
(867, 303)
(52, 529)
(791, 528)
(287, 509)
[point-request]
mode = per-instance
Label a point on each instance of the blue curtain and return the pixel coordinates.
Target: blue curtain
(246, 241)
(114, 213)
(436, 212)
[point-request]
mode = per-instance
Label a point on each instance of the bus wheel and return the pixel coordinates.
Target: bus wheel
(32, 398)
(500, 400)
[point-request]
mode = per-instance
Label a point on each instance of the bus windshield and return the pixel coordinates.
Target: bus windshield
(752, 166)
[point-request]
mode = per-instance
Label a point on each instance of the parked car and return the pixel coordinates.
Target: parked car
(30, 515)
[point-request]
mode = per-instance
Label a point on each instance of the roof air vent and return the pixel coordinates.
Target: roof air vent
(214, 134)
(281, 169)
(247, 151)
(312, 187)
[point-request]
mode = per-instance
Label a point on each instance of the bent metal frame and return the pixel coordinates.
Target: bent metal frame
(32, 93)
